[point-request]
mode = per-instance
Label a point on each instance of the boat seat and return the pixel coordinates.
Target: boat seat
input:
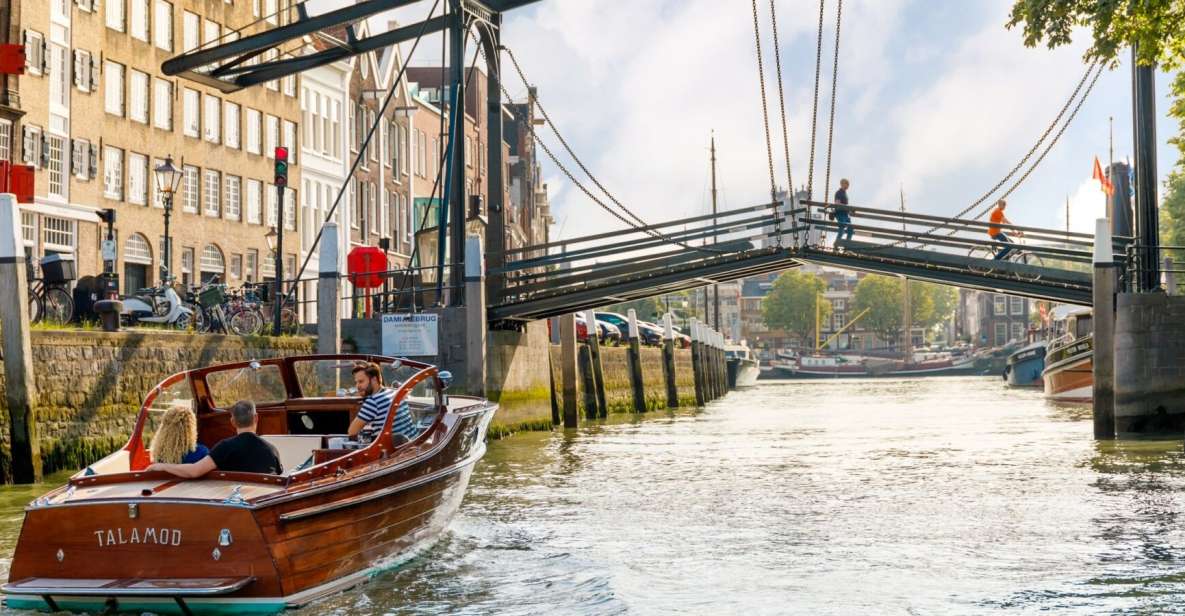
(294, 449)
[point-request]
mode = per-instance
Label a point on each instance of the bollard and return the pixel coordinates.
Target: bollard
(555, 404)
(1170, 277)
(475, 318)
(1103, 319)
(696, 364)
(590, 319)
(588, 382)
(635, 364)
(668, 361)
(717, 382)
(710, 352)
(329, 339)
(568, 367)
(20, 389)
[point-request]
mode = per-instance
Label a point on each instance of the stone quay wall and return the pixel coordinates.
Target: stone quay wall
(90, 384)
(615, 367)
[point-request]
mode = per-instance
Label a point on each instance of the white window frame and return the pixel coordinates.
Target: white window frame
(113, 93)
(191, 189)
(191, 25)
(138, 85)
(35, 52)
(212, 118)
(113, 173)
(162, 26)
(162, 104)
(137, 190)
(116, 15)
(57, 165)
(254, 205)
(233, 207)
(212, 193)
(191, 102)
(139, 26)
(231, 123)
(254, 131)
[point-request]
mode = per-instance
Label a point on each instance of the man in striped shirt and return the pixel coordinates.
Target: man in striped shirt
(367, 425)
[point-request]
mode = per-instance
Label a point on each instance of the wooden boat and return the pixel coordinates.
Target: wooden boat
(1069, 362)
(1026, 365)
(743, 366)
(119, 537)
(841, 366)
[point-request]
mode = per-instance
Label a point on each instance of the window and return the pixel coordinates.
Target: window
(269, 11)
(191, 100)
(113, 73)
(1017, 331)
(186, 266)
(189, 31)
(113, 173)
(232, 125)
(139, 29)
(355, 203)
(236, 266)
(423, 154)
(253, 132)
(190, 189)
(335, 129)
(138, 85)
(212, 120)
(211, 32)
(137, 178)
(403, 150)
(82, 159)
(234, 185)
(162, 99)
(137, 250)
(273, 135)
(1001, 334)
(1016, 305)
(212, 260)
(1000, 305)
(468, 152)
(158, 195)
(838, 321)
(5, 140)
(31, 145)
(213, 193)
(393, 149)
(58, 233)
(254, 197)
(163, 25)
(57, 167)
(115, 17)
(290, 85)
(272, 208)
(290, 210)
(252, 259)
(289, 140)
(353, 130)
(85, 76)
(35, 52)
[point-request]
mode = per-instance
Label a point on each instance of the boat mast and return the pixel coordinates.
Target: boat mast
(715, 287)
(907, 347)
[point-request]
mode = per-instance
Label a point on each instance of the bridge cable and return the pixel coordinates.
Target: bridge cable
(810, 177)
(637, 223)
(781, 96)
(834, 80)
(769, 150)
(1097, 69)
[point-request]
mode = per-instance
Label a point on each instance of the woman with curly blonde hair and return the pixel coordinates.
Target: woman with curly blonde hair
(175, 441)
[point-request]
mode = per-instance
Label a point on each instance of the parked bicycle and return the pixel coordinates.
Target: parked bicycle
(222, 315)
(1018, 254)
(49, 299)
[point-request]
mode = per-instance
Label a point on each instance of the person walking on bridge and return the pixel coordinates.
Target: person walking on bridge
(842, 214)
(996, 233)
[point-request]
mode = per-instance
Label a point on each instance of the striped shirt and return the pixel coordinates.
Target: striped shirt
(374, 413)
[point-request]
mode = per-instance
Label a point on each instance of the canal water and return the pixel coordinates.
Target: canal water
(928, 496)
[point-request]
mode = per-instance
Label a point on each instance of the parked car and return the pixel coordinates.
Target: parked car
(650, 333)
(681, 339)
(607, 334)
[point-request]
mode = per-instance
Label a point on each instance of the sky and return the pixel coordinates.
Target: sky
(937, 100)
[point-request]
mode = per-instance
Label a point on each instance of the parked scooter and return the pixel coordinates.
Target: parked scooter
(158, 305)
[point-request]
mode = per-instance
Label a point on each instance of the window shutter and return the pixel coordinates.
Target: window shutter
(79, 70)
(73, 157)
(26, 145)
(94, 66)
(44, 150)
(44, 56)
(94, 162)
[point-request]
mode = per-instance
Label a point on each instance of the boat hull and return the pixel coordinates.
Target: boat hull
(743, 373)
(1069, 373)
(293, 547)
(1026, 366)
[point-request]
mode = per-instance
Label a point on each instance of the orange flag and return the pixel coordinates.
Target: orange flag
(1102, 178)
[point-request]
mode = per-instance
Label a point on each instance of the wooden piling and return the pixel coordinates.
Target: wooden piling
(697, 364)
(668, 361)
(20, 390)
(635, 364)
(590, 319)
(568, 368)
(588, 382)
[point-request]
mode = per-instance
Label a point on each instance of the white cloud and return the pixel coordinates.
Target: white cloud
(1087, 204)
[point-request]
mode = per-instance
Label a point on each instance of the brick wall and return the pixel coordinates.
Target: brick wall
(90, 384)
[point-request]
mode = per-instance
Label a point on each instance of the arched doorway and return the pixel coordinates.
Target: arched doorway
(137, 263)
(212, 264)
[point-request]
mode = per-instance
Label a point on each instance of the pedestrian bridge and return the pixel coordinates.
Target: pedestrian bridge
(605, 268)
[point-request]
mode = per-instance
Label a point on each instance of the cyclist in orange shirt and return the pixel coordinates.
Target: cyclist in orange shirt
(996, 233)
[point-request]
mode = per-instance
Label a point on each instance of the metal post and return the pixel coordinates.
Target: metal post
(166, 268)
(635, 363)
(328, 290)
(495, 174)
(278, 294)
(20, 389)
(1104, 287)
(1144, 131)
(668, 361)
(457, 196)
(475, 318)
(598, 374)
(568, 367)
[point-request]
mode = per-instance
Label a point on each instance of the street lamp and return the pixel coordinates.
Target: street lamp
(168, 178)
(271, 236)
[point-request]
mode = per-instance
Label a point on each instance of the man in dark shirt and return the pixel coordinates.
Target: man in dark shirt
(244, 452)
(843, 215)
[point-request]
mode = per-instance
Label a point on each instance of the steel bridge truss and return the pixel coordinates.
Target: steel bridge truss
(606, 268)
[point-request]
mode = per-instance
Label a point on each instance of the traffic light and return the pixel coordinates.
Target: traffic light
(281, 166)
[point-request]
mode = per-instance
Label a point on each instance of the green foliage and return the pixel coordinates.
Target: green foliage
(929, 304)
(647, 308)
(1172, 212)
(1155, 27)
(791, 304)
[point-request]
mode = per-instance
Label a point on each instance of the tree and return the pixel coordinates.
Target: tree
(647, 308)
(791, 305)
(1172, 210)
(929, 304)
(1153, 26)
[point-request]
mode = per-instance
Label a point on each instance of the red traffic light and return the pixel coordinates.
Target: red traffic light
(282, 153)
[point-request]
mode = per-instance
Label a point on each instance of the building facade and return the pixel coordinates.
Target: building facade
(100, 116)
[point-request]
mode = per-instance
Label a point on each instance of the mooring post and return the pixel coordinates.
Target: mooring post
(1170, 277)
(590, 318)
(20, 389)
(713, 368)
(476, 324)
(696, 360)
(568, 367)
(668, 361)
(329, 323)
(635, 364)
(587, 382)
(721, 363)
(1105, 283)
